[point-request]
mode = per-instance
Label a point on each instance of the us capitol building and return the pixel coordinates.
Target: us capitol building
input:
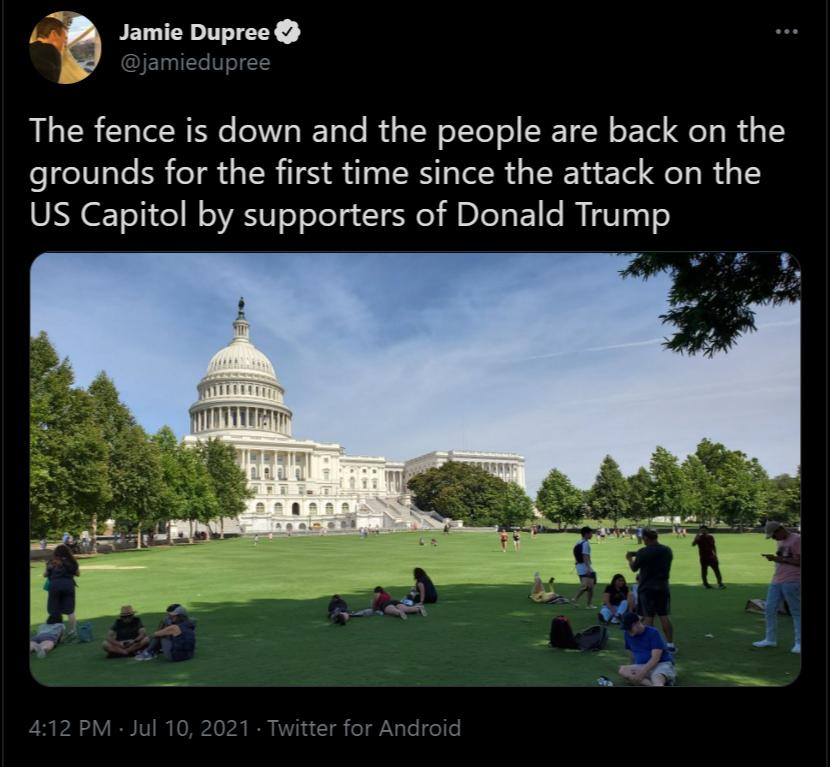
(301, 484)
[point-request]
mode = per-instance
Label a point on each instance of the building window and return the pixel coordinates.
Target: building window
(325, 460)
(374, 471)
(277, 508)
(301, 489)
(283, 489)
(267, 473)
(297, 473)
(302, 525)
(374, 484)
(325, 491)
(329, 508)
(364, 471)
(330, 525)
(253, 472)
(280, 473)
(260, 508)
(364, 484)
(312, 508)
(269, 490)
(234, 388)
(326, 474)
(344, 508)
(351, 483)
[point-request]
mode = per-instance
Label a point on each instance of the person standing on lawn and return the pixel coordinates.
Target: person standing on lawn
(786, 584)
(653, 562)
(708, 554)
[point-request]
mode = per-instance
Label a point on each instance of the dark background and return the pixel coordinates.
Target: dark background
(695, 63)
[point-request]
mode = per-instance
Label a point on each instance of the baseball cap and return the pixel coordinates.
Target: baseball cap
(629, 619)
(771, 527)
(127, 610)
(179, 611)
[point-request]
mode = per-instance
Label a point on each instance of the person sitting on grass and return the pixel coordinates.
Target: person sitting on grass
(47, 636)
(127, 636)
(175, 638)
(383, 602)
(616, 600)
(653, 664)
(424, 591)
(538, 594)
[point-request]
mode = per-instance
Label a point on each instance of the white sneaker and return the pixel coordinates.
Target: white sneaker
(796, 649)
(40, 652)
(765, 643)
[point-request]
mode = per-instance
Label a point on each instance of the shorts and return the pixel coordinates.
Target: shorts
(651, 603)
(665, 669)
(590, 576)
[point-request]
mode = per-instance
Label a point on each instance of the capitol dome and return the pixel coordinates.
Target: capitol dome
(240, 388)
(241, 356)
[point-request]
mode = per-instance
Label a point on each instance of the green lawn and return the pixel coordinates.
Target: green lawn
(260, 612)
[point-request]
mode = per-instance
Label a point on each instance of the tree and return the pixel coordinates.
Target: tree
(469, 493)
(114, 420)
(743, 486)
(230, 487)
(609, 496)
(702, 492)
(783, 498)
(136, 478)
(67, 455)
(559, 500)
(712, 294)
(518, 508)
(639, 490)
(667, 495)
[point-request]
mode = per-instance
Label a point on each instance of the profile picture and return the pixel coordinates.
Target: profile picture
(65, 47)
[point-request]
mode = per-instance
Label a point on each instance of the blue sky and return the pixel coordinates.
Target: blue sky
(553, 356)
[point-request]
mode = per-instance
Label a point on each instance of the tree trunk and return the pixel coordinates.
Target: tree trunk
(190, 537)
(169, 533)
(94, 541)
(138, 539)
(222, 528)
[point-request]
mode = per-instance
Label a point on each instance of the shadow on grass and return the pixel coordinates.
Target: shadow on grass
(476, 635)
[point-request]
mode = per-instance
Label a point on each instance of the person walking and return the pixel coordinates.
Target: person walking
(503, 540)
(653, 563)
(584, 568)
(708, 554)
(517, 540)
(786, 584)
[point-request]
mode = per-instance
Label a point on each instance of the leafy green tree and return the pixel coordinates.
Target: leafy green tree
(114, 420)
(702, 492)
(137, 481)
(712, 294)
(667, 495)
(559, 500)
(230, 487)
(518, 508)
(743, 485)
(609, 496)
(67, 455)
(469, 493)
(639, 491)
(783, 498)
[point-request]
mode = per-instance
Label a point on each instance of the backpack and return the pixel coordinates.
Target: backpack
(578, 552)
(85, 632)
(561, 633)
(593, 638)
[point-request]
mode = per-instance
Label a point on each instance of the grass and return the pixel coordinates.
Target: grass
(261, 614)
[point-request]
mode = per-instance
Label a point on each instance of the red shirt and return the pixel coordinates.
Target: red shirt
(381, 598)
